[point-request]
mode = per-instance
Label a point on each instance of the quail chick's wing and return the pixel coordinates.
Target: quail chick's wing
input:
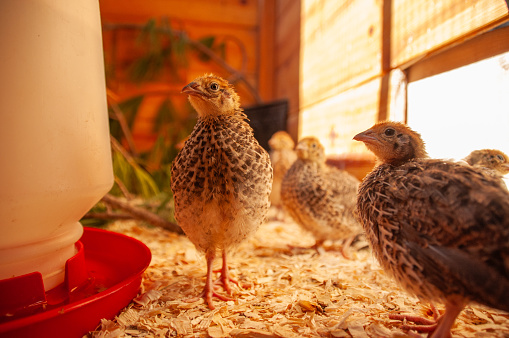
(320, 198)
(442, 229)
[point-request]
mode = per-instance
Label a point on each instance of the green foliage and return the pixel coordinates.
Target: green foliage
(165, 51)
(136, 179)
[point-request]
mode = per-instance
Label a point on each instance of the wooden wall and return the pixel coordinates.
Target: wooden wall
(247, 27)
(287, 59)
(356, 55)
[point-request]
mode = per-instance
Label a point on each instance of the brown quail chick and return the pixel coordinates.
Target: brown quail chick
(440, 228)
(320, 198)
(222, 177)
(493, 162)
(282, 156)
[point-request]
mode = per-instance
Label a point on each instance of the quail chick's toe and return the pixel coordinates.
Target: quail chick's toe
(320, 198)
(440, 228)
(221, 179)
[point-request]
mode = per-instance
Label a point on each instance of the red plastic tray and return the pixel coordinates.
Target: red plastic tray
(114, 264)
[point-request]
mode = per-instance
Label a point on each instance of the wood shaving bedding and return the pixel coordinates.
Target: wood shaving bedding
(285, 292)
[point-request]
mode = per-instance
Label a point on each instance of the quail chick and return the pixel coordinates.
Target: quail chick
(320, 198)
(440, 228)
(282, 156)
(222, 177)
(492, 161)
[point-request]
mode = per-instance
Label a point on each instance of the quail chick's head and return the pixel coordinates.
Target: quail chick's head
(489, 158)
(211, 95)
(310, 149)
(281, 140)
(393, 142)
(439, 227)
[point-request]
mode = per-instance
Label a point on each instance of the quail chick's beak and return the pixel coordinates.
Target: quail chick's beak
(367, 136)
(301, 146)
(192, 89)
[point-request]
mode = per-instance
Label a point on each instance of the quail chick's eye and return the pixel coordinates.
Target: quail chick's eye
(501, 158)
(214, 86)
(389, 132)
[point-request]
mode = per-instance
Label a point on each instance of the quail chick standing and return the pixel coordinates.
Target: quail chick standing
(320, 198)
(492, 161)
(282, 156)
(222, 177)
(440, 228)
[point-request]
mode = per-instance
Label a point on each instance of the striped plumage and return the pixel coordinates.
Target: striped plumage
(440, 228)
(492, 162)
(320, 198)
(222, 177)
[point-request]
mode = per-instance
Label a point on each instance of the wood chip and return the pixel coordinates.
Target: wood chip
(288, 293)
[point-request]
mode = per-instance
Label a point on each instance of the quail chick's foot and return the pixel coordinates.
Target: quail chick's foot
(345, 249)
(207, 294)
(225, 279)
(209, 290)
(422, 325)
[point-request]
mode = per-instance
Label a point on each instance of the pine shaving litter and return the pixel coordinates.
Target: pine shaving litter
(287, 291)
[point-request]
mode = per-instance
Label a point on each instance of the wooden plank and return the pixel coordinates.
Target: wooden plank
(340, 46)
(232, 12)
(336, 120)
(287, 87)
(484, 46)
(267, 28)
(239, 43)
(287, 32)
(421, 26)
(287, 56)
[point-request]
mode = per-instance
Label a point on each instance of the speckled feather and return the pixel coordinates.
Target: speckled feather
(440, 228)
(320, 198)
(221, 181)
(492, 162)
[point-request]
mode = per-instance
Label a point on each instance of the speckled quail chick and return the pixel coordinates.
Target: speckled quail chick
(440, 228)
(320, 198)
(493, 162)
(282, 156)
(222, 177)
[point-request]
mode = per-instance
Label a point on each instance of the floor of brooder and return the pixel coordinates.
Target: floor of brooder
(291, 293)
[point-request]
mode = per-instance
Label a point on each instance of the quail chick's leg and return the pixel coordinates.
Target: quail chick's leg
(208, 291)
(345, 249)
(225, 278)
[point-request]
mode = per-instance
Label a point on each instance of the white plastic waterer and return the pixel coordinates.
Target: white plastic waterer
(55, 160)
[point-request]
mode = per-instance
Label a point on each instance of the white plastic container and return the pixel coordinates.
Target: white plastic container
(55, 158)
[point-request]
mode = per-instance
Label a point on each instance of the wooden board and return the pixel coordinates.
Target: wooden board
(481, 47)
(287, 48)
(421, 26)
(336, 120)
(340, 46)
(232, 12)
